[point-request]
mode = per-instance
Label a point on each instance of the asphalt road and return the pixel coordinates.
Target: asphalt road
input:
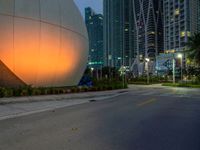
(146, 118)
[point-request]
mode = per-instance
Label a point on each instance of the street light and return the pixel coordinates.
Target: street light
(147, 59)
(147, 62)
(174, 71)
(92, 69)
(179, 55)
(123, 73)
(181, 58)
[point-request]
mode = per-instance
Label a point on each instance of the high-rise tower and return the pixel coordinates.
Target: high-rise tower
(181, 20)
(148, 16)
(94, 24)
(119, 48)
(149, 27)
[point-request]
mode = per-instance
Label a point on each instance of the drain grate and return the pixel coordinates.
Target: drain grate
(92, 100)
(123, 92)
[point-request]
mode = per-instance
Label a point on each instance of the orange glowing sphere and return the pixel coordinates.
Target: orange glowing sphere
(43, 42)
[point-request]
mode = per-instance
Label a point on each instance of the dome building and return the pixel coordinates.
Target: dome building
(42, 43)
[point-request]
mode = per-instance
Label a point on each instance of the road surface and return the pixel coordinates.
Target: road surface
(145, 118)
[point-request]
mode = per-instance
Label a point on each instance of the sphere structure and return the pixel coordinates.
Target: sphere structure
(42, 43)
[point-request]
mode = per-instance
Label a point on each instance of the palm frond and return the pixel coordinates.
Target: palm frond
(193, 48)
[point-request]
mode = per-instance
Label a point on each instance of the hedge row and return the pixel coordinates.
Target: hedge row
(190, 85)
(30, 91)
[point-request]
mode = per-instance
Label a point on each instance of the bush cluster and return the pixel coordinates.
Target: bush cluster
(109, 84)
(99, 85)
(143, 80)
(190, 85)
(30, 91)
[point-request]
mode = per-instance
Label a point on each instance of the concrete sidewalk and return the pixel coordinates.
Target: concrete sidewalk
(60, 97)
(21, 106)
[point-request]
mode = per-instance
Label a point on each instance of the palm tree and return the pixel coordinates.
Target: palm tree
(194, 48)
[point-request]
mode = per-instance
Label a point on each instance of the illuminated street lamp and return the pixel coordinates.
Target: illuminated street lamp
(147, 59)
(181, 58)
(147, 63)
(174, 70)
(122, 71)
(92, 69)
(179, 55)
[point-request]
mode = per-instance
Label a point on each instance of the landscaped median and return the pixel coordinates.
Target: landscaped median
(190, 85)
(100, 85)
(142, 80)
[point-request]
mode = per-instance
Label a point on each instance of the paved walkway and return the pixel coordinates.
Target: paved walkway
(20, 106)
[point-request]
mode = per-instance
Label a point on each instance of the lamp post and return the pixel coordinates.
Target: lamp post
(92, 69)
(174, 71)
(181, 58)
(123, 74)
(147, 63)
(101, 72)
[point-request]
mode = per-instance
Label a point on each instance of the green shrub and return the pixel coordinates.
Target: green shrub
(152, 80)
(2, 92)
(36, 91)
(8, 92)
(74, 90)
(191, 85)
(84, 89)
(93, 88)
(99, 85)
(17, 92)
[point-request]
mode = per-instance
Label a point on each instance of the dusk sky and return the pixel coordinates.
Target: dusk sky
(97, 5)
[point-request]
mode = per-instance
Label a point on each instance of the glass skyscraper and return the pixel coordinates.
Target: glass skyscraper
(149, 27)
(119, 39)
(94, 24)
(148, 21)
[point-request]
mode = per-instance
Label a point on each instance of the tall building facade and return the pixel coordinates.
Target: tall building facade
(181, 20)
(119, 39)
(94, 24)
(148, 16)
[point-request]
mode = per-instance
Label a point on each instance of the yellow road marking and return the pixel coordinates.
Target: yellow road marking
(147, 102)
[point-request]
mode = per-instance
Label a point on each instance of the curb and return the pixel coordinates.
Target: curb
(84, 95)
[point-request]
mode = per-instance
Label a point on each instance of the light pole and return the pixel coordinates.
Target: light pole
(123, 74)
(101, 72)
(92, 69)
(147, 63)
(181, 58)
(174, 71)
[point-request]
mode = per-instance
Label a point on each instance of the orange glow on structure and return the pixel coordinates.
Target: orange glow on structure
(49, 58)
(42, 44)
